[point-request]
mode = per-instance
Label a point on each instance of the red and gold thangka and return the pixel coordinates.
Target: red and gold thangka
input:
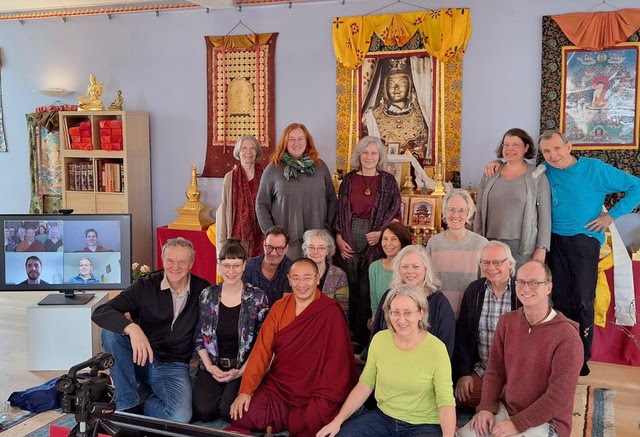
(240, 96)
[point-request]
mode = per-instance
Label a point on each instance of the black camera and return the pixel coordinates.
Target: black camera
(90, 396)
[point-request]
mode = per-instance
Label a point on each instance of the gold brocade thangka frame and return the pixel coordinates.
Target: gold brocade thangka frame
(240, 97)
(442, 34)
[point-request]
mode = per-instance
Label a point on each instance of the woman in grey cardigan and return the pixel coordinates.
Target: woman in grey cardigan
(514, 204)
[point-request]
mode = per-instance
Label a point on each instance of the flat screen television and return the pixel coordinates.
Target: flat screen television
(70, 254)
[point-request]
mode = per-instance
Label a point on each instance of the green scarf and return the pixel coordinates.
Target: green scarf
(293, 167)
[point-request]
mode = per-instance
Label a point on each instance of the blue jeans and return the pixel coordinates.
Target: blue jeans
(163, 388)
(375, 423)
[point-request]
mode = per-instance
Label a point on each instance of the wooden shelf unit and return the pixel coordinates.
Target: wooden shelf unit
(131, 166)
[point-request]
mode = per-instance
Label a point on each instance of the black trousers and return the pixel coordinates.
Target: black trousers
(213, 399)
(574, 264)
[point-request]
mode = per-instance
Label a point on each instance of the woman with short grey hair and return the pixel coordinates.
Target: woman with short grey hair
(236, 216)
(318, 245)
(454, 252)
(418, 398)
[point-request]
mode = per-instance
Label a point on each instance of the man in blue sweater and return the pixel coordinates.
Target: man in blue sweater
(578, 189)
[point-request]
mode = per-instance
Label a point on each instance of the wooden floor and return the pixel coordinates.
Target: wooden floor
(15, 376)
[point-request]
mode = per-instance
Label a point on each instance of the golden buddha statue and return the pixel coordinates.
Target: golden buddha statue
(91, 100)
(116, 105)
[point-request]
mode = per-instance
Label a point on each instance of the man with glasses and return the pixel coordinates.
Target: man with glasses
(148, 328)
(484, 301)
(302, 367)
(533, 367)
(268, 271)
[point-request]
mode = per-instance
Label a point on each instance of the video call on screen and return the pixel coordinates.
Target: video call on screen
(62, 252)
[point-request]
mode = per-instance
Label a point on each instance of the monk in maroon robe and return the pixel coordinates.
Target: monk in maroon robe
(313, 368)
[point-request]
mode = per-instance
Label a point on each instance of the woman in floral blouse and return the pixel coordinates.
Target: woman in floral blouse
(230, 316)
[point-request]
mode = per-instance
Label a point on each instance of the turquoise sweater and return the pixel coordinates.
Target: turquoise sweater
(578, 193)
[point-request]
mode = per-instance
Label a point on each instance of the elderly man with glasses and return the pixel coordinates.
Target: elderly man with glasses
(533, 369)
(269, 271)
(302, 367)
(484, 301)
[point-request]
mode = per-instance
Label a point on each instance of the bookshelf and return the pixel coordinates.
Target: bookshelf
(106, 169)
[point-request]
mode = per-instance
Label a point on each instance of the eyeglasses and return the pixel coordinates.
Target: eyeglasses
(452, 210)
(513, 145)
(279, 249)
(298, 279)
(495, 263)
(406, 314)
(532, 284)
(314, 248)
(227, 267)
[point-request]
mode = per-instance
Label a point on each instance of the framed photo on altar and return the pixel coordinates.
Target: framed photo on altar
(393, 148)
(599, 101)
(424, 212)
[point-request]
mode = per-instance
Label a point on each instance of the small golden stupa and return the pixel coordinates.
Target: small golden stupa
(194, 215)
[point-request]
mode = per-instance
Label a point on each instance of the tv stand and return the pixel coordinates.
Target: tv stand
(67, 297)
(60, 336)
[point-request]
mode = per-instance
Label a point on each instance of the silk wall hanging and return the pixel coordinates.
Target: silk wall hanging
(399, 76)
(240, 97)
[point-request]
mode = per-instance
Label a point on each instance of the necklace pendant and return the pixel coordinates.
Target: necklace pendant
(367, 191)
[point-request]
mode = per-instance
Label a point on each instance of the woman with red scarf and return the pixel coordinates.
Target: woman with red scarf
(236, 215)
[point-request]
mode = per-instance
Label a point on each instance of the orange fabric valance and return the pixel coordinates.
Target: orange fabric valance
(599, 30)
(444, 33)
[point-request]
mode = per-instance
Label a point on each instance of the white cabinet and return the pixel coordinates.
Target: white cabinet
(61, 336)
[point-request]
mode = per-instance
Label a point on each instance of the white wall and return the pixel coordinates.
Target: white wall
(159, 63)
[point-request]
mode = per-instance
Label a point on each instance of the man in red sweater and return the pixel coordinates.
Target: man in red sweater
(535, 360)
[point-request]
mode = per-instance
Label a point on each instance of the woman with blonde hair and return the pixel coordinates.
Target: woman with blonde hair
(418, 400)
(455, 252)
(296, 191)
(236, 216)
(412, 266)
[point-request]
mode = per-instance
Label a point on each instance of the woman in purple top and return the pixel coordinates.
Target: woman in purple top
(368, 199)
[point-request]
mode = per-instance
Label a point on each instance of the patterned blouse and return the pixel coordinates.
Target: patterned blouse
(336, 286)
(253, 310)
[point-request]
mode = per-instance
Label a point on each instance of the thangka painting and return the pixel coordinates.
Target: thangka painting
(397, 102)
(399, 76)
(240, 97)
(599, 107)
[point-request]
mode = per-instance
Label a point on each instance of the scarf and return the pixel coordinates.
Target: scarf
(244, 203)
(293, 167)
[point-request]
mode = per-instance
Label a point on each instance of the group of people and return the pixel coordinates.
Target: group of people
(30, 239)
(450, 325)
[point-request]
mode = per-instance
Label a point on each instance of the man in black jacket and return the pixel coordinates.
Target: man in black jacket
(484, 301)
(148, 328)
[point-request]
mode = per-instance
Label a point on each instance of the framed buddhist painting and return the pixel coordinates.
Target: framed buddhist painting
(599, 102)
(424, 211)
(397, 102)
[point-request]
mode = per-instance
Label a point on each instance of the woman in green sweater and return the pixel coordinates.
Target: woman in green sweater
(410, 371)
